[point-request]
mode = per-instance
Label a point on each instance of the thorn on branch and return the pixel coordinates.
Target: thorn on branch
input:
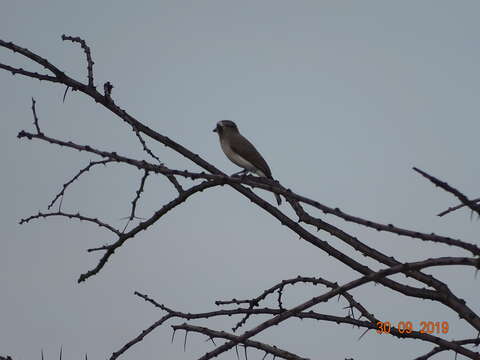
(104, 248)
(65, 93)
(185, 340)
(361, 336)
(460, 196)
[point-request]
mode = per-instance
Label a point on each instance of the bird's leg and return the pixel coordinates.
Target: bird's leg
(242, 173)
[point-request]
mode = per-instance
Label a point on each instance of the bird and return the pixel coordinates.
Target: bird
(241, 152)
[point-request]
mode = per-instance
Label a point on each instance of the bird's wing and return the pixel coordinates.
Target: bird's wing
(246, 150)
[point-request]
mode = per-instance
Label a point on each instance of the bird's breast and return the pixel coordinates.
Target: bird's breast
(236, 158)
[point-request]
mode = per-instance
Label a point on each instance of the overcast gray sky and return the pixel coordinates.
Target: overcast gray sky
(341, 98)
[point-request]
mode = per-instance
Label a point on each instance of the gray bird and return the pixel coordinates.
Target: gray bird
(241, 152)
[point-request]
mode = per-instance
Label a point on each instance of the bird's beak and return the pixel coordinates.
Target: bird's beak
(215, 130)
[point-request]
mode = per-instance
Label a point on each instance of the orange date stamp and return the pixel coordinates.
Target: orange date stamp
(407, 327)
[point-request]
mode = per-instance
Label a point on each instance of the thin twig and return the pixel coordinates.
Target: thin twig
(463, 199)
(137, 197)
(453, 208)
(145, 224)
(71, 216)
(88, 55)
(72, 180)
(35, 118)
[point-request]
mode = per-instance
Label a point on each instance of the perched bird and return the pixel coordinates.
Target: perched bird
(241, 152)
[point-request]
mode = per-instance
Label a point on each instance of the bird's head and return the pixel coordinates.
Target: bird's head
(225, 127)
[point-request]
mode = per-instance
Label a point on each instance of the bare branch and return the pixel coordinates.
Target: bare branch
(170, 177)
(273, 350)
(453, 208)
(145, 147)
(280, 286)
(30, 74)
(137, 197)
(71, 181)
(464, 200)
(439, 349)
(140, 337)
(376, 276)
(451, 300)
(145, 224)
(88, 55)
(368, 324)
(475, 250)
(35, 118)
(71, 216)
(59, 75)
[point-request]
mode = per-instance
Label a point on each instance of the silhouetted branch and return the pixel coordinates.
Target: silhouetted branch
(70, 216)
(88, 55)
(59, 75)
(145, 147)
(170, 177)
(367, 324)
(439, 349)
(137, 197)
(79, 173)
(449, 300)
(269, 349)
(140, 337)
(376, 276)
(280, 286)
(145, 224)
(35, 118)
(464, 200)
(475, 250)
(453, 208)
